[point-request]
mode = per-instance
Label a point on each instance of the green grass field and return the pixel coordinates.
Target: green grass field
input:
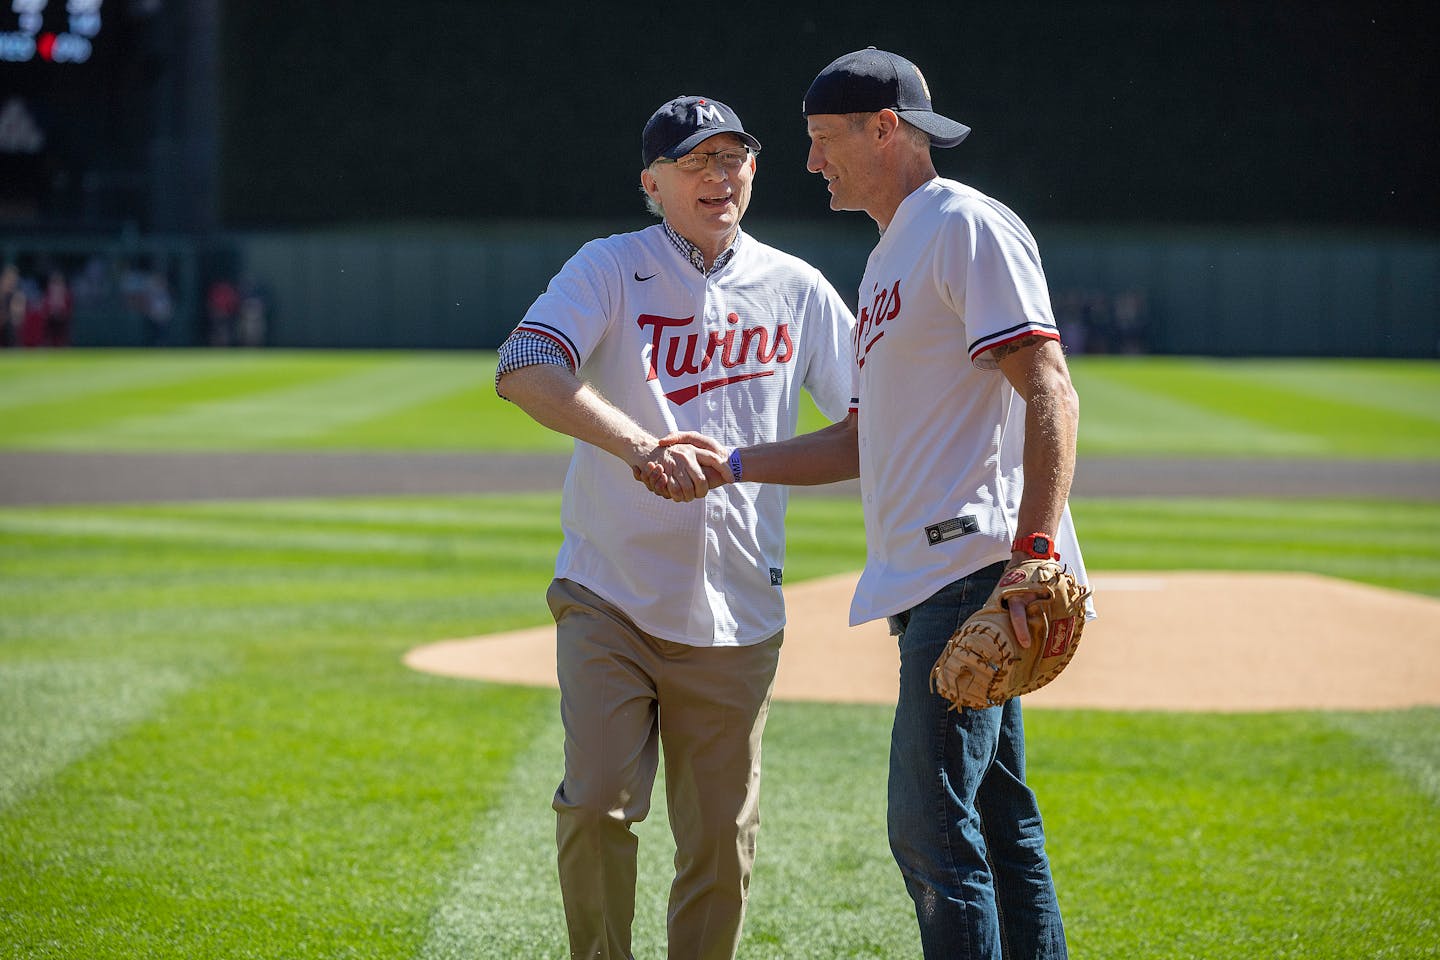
(209, 747)
(85, 400)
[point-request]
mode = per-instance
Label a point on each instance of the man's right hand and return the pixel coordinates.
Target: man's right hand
(676, 472)
(687, 465)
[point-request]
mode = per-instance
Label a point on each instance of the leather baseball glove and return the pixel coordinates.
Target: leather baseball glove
(984, 664)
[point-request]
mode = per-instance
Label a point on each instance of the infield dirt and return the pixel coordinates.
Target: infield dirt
(1175, 641)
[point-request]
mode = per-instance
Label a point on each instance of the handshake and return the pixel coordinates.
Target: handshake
(684, 466)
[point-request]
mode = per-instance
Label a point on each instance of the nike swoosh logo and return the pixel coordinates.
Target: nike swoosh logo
(643, 279)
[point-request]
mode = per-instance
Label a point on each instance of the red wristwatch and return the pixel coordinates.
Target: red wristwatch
(1040, 546)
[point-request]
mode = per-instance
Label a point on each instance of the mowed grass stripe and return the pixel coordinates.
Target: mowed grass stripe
(53, 711)
(173, 384)
(1252, 816)
(217, 609)
(516, 514)
(1260, 408)
(1408, 390)
(518, 534)
(269, 814)
(1141, 816)
(1385, 543)
(282, 417)
(1345, 423)
(276, 400)
(1118, 415)
(503, 901)
(1408, 740)
(856, 906)
(470, 417)
(38, 380)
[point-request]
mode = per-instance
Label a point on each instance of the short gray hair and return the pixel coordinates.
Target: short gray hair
(655, 207)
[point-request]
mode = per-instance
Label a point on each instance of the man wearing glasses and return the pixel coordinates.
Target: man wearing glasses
(669, 615)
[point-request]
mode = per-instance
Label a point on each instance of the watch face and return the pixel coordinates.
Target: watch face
(1041, 546)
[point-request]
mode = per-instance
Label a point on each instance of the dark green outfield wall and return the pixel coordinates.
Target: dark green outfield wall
(1219, 292)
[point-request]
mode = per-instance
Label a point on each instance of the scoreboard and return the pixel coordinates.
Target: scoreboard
(51, 31)
(72, 116)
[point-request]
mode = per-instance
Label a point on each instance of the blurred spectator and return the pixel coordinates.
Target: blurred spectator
(134, 288)
(254, 313)
(222, 309)
(1099, 325)
(1070, 320)
(92, 286)
(158, 308)
(1132, 322)
(58, 306)
(1094, 321)
(12, 306)
(32, 317)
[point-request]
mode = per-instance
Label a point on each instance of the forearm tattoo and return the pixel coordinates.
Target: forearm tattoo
(1015, 346)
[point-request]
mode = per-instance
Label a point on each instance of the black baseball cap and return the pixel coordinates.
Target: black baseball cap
(677, 127)
(869, 80)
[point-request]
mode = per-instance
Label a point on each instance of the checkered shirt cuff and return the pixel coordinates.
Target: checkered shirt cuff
(525, 349)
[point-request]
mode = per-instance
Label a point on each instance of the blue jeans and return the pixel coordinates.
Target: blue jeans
(964, 828)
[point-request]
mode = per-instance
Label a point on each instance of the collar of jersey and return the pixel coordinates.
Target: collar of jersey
(692, 253)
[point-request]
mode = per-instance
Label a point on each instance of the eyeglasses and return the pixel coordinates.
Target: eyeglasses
(729, 160)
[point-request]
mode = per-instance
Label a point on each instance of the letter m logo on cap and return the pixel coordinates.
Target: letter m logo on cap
(706, 115)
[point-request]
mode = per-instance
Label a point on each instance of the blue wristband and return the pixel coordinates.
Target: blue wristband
(734, 461)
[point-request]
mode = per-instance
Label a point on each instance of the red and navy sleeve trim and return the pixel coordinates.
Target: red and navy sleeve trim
(556, 335)
(1011, 334)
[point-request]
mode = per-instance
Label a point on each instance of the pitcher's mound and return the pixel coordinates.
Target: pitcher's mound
(1173, 641)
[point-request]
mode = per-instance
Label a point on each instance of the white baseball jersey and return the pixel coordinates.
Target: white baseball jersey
(726, 355)
(941, 429)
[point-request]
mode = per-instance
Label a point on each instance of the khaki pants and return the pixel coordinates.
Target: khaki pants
(624, 693)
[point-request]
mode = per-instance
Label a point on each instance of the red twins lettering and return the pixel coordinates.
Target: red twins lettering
(679, 352)
(883, 307)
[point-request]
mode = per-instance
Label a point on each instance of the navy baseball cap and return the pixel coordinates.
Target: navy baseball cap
(869, 80)
(677, 127)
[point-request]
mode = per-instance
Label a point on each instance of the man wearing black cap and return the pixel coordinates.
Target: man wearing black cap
(966, 443)
(954, 309)
(669, 616)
